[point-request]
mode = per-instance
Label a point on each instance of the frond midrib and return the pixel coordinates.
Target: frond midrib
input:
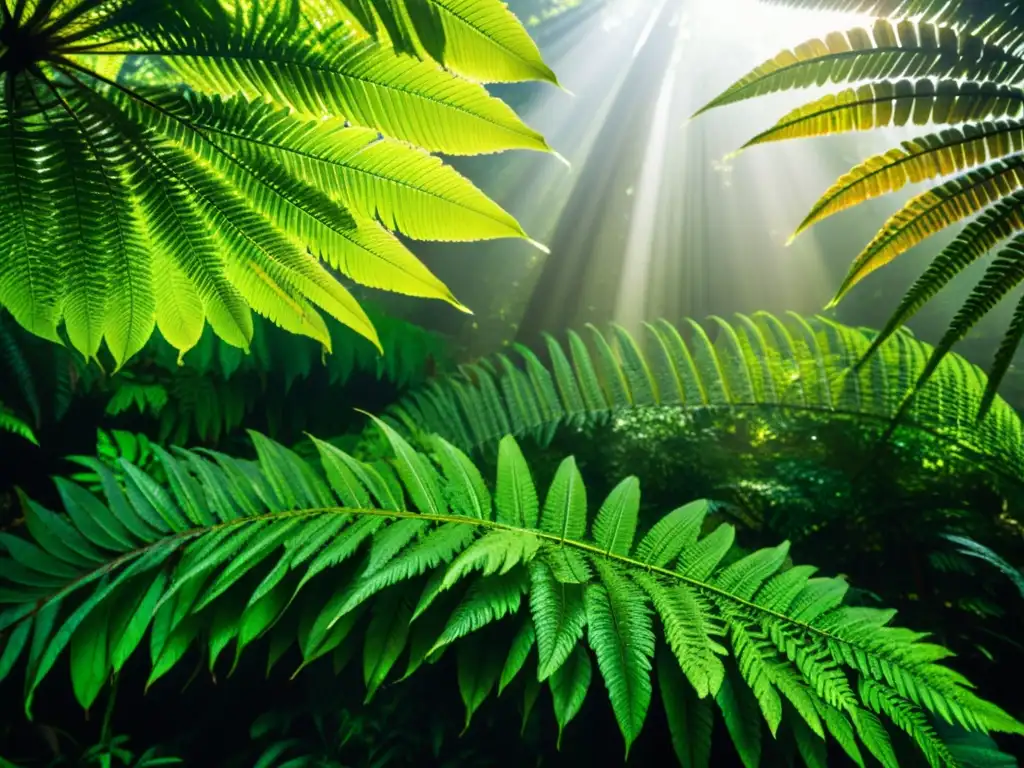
(590, 548)
(731, 96)
(1012, 92)
(1008, 127)
(185, 53)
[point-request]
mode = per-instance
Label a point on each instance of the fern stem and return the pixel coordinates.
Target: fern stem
(178, 538)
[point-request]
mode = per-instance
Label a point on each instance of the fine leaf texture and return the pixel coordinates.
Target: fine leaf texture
(779, 634)
(171, 163)
(926, 62)
(758, 364)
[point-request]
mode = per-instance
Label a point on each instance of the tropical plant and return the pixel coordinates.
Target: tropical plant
(958, 64)
(111, 448)
(231, 149)
(759, 364)
(234, 550)
(766, 415)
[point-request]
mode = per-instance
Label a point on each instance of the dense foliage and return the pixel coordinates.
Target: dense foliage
(170, 163)
(437, 584)
(232, 551)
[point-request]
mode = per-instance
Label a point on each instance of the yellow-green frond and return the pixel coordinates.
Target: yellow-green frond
(918, 160)
(895, 104)
(889, 50)
(167, 164)
(934, 210)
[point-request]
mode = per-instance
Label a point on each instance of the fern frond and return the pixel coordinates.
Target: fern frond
(895, 104)
(917, 161)
(889, 50)
(482, 41)
(230, 546)
(932, 211)
(801, 365)
(333, 72)
(927, 62)
(977, 550)
(1002, 22)
(237, 148)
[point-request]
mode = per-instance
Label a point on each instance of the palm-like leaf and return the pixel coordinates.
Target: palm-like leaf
(957, 64)
(165, 164)
(231, 547)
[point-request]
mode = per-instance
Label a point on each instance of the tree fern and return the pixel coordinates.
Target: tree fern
(242, 540)
(760, 363)
(958, 64)
(172, 163)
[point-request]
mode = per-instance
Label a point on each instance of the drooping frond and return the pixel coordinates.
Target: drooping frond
(955, 63)
(894, 104)
(933, 210)
(241, 153)
(229, 549)
(975, 549)
(759, 363)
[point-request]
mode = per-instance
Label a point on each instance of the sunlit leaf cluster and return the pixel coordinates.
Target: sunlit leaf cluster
(956, 65)
(171, 163)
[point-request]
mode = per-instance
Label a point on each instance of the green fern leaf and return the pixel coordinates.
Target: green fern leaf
(569, 684)
(385, 639)
(253, 154)
(740, 712)
(616, 521)
(690, 719)
(619, 630)
(515, 495)
(281, 554)
(479, 665)
(522, 645)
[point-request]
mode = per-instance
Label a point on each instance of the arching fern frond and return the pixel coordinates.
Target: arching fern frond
(234, 550)
(168, 163)
(758, 363)
(956, 64)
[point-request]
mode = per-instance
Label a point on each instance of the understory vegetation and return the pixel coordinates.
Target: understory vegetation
(253, 515)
